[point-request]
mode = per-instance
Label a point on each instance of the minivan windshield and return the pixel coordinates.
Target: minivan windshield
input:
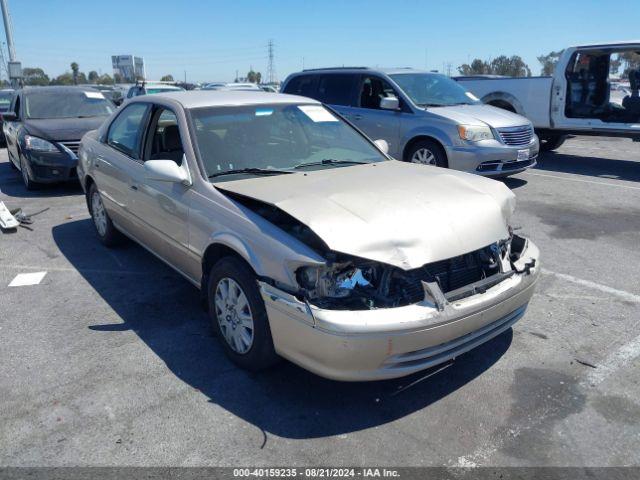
(66, 104)
(245, 141)
(433, 90)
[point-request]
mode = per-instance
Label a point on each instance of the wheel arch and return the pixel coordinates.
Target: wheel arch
(418, 138)
(504, 100)
(220, 247)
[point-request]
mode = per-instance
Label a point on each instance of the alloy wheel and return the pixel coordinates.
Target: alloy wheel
(98, 213)
(234, 315)
(424, 156)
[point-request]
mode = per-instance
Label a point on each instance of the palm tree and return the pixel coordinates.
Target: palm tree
(75, 68)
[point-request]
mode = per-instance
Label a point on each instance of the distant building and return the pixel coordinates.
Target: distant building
(128, 67)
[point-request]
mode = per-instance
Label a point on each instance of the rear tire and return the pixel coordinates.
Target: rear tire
(549, 143)
(427, 152)
(238, 315)
(106, 231)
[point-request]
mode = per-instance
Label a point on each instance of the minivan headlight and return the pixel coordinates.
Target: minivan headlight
(38, 144)
(475, 133)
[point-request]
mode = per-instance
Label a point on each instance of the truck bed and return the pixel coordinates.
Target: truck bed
(529, 96)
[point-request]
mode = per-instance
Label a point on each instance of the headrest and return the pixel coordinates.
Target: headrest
(171, 139)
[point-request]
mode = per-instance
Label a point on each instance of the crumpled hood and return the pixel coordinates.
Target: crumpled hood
(397, 213)
(61, 129)
(480, 115)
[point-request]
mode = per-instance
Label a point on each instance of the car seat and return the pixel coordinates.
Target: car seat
(631, 103)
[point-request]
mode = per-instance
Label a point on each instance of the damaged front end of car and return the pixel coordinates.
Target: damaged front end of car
(350, 283)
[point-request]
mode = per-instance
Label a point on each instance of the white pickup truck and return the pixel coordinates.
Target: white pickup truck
(577, 100)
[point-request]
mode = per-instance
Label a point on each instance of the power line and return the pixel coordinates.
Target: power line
(271, 69)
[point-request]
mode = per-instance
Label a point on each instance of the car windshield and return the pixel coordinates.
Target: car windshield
(5, 101)
(67, 104)
(277, 138)
(433, 90)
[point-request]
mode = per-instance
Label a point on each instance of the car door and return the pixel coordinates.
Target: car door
(10, 129)
(581, 96)
(161, 209)
(373, 120)
(117, 161)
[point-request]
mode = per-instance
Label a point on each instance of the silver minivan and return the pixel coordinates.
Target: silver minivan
(425, 118)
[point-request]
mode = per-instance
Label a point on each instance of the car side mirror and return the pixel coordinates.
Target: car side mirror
(382, 145)
(9, 117)
(166, 171)
(389, 103)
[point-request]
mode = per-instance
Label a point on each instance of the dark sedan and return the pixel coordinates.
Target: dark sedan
(43, 128)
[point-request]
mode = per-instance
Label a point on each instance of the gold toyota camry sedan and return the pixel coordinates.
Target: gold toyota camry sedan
(306, 239)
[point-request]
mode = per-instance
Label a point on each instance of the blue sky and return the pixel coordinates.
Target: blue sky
(211, 39)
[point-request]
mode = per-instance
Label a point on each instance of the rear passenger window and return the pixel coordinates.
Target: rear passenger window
(303, 85)
(336, 89)
(125, 133)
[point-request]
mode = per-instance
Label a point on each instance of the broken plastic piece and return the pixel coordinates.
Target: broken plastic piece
(7, 221)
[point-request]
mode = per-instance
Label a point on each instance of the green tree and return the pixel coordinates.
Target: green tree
(93, 76)
(549, 62)
(117, 78)
(258, 77)
(631, 61)
(512, 66)
(477, 67)
(167, 78)
(75, 68)
(251, 76)
(35, 76)
(65, 79)
(105, 79)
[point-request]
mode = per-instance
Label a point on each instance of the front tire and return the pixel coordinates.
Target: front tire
(238, 315)
(107, 232)
(26, 179)
(551, 142)
(427, 152)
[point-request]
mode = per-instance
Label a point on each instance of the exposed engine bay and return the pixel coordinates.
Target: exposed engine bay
(347, 282)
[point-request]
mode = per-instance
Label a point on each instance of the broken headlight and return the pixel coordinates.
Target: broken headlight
(333, 281)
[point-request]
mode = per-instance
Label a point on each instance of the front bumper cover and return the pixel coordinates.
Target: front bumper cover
(393, 342)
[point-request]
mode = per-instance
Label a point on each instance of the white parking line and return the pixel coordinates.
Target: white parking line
(78, 270)
(569, 179)
(26, 279)
(628, 296)
(615, 361)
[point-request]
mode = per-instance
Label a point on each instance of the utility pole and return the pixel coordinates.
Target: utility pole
(14, 68)
(271, 69)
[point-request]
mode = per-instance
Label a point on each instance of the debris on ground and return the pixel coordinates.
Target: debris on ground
(585, 363)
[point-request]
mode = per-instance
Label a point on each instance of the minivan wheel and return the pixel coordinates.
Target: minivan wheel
(28, 183)
(107, 232)
(238, 315)
(427, 152)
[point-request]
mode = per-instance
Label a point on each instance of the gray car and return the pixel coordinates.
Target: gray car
(307, 241)
(425, 118)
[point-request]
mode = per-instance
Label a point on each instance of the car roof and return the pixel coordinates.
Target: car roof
(219, 98)
(388, 71)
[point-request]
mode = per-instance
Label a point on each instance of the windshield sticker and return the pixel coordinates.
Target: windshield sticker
(263, 112)
(472, 96)
(94, 95)
(317, 113)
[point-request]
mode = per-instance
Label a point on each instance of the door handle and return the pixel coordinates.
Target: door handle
(357, 116)
(134, 187)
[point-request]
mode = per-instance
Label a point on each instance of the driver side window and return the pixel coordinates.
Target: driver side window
(164, 140)
(372, 90)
